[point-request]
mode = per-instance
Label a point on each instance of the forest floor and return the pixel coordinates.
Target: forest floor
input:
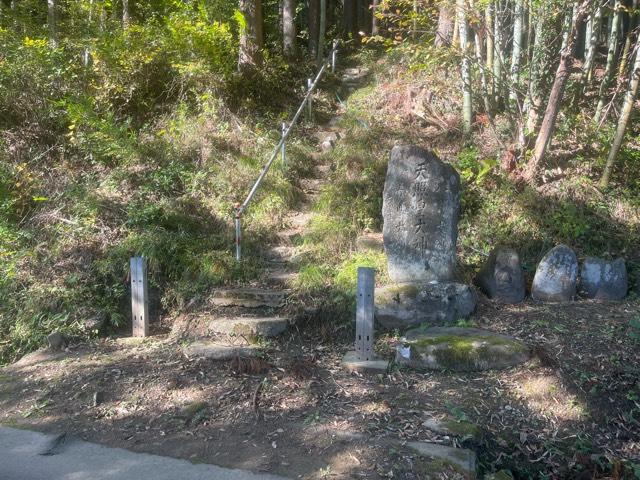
(568, 410)
(571, 412)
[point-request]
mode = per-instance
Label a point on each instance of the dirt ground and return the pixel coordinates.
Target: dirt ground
(571, 412)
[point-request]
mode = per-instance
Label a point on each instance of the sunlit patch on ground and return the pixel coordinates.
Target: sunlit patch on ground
(547, 396)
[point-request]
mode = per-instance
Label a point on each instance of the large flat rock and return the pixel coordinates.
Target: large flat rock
(421, 205)
(409, 304)
(459, 349)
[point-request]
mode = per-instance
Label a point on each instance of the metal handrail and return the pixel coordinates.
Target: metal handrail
(240, 208)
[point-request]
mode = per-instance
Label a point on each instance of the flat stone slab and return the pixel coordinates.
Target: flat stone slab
(218, 351)
(459, 349)
(248, 297)
(464, 460)
(250, 326)
(408, 304)
(352, 363)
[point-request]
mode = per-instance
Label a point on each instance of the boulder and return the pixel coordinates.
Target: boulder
(421, 205)
(459, 349)
(603, 280)
(408, 304)
(56, 341)
(501, 277)
(556, 276)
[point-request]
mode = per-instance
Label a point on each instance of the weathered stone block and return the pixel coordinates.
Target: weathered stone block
(501, 277)
(408, 304)
(421, 205)
(603, 280)
(556, 276)
(460, 349)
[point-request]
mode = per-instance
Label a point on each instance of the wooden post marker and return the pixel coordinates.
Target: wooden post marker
(139, 297)
(362, 359)
(364, 313)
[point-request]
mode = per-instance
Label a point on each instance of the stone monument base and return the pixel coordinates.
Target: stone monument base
(405, 305)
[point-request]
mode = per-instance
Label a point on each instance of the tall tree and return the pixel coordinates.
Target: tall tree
(251, 35)
(557, 92)
(52, 22)
(322, 32)
(313, 23)
(516, 50)
(444, 32)
(631, 34)
(467, 108)
(623, 121)
(374, 17)
(611, 58)
(125, 14)
(591, 44)
(289, 27)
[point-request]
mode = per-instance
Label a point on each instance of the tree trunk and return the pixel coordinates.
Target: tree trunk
(611, 57)
(251, 36)
(322, 32)
(482, 67)
(467, 108)
(289, 27)
(591, 46)
(125, 14)
(557, 92)
(498, 57)
(631, 33)
(374, 18)
(52, 23)
(623, 122)
(313, 19)
(444, 33)
(488, 21)
(516, 50)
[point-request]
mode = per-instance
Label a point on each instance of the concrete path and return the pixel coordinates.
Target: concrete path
(21, 458)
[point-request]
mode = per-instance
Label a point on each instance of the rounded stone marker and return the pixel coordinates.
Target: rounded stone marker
(556, 276)
(460, 349)
(603, 280)
(501, 277)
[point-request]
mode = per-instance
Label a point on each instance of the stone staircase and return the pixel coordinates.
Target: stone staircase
(233, 320)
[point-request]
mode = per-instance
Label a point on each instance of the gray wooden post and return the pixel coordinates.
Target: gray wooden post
(139, 297)
(364, 313)
(284, 149)
(310, 100)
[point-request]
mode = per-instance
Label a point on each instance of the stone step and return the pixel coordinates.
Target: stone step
(281, 277)
(216, 350)
(281, 253)
(248, 297)
(460, 458)
(249, 326)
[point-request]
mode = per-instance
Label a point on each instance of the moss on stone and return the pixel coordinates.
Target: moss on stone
(463, 352)
(400, 290)
(462, 428)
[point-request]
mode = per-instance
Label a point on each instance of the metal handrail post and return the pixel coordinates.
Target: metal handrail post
(334, 56)
(310, 100)
(280, 148)
(283, 151)
(238, 219)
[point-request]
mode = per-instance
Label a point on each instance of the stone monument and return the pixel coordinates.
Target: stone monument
(421, 205)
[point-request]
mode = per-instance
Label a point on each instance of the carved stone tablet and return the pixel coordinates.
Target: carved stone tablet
(421, 205)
